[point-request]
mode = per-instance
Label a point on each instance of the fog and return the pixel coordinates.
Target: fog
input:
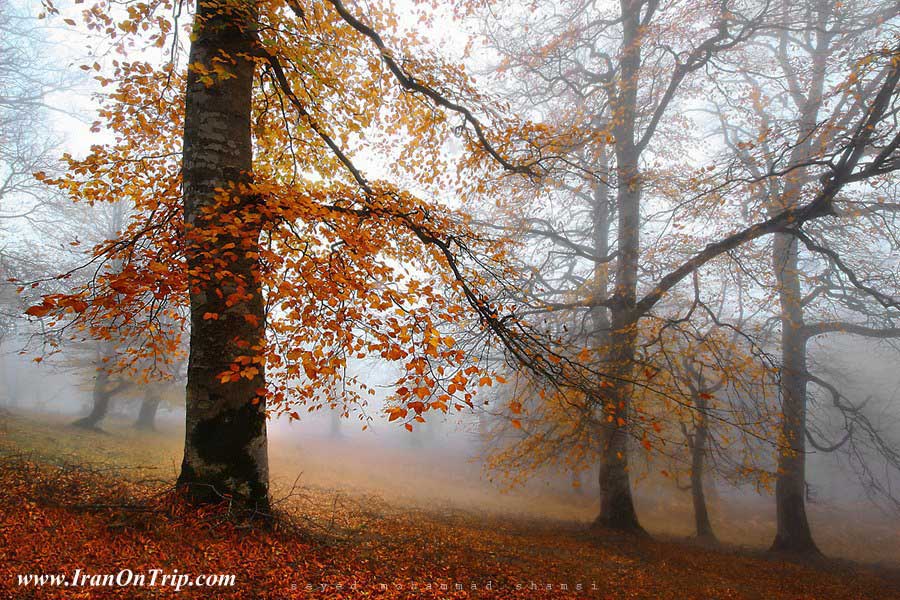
(710, 355)
(439, 466)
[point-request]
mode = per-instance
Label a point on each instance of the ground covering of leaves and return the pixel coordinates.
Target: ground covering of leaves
(67, 505)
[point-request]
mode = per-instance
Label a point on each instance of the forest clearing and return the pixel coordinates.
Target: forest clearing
(69, 501)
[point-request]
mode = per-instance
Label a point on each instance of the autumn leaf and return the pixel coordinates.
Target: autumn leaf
(396, 412)
(38, 310)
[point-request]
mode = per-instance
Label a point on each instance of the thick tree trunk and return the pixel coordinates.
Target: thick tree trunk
(702, 524)
(101, 399)
(149, 405)
(612, 466)
(793, 534)
(225, 452)
(616, 502)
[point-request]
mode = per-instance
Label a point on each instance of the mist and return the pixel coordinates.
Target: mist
(599, 294)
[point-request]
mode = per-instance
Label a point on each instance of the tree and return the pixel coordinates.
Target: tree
(606, 61)
(616, 54)
(290, 261)
(225, 441)
(28, 143)
(160, 387)
(723, 378)
(146, 419)
(804, 118)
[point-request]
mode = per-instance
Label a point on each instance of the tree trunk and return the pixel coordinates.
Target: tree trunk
(101, 400)
(616, 504)
(147, 414)
(12, 383)
(701, 514)
(698, 456)
(225, 453)
(793, 534)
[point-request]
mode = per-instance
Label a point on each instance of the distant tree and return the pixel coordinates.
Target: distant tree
(104, 388)
(28, 144)
(152, 397)
(615, 75)
(807, 85)
(28, 141)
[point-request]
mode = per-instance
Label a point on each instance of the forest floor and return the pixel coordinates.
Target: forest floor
(102, 503)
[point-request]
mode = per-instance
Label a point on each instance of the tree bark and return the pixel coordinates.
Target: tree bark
(149, 405)
(225, 453)
(616, 502)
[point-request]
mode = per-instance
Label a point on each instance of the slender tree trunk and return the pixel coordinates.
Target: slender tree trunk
(225, 451)
(12, 383)
(793, 534)
(698, 457)
(710, 490)
(149, 405)
(101, 399)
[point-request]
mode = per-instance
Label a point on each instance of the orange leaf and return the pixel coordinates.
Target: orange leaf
(78, 306)
(38, 310)
(396, 412)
